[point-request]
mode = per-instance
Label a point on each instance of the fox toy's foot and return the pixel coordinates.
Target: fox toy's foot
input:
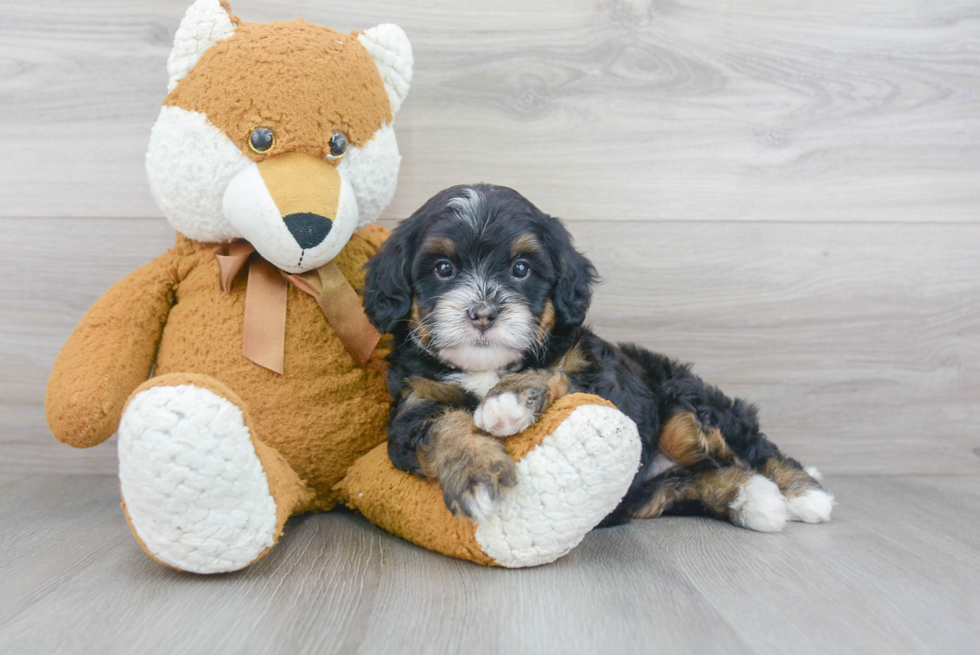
(567, 483)
(573, 467)
(201, 494)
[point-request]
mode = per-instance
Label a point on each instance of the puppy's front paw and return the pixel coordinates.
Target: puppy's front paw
(503, 415)
(472, 487)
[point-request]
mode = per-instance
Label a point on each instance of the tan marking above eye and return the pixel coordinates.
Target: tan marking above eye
(441, 246)
(524, 245)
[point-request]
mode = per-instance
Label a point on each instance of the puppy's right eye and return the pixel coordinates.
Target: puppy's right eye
(445, 270)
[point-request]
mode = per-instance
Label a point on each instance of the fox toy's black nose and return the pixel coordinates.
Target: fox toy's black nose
(309, 230)
(483, 315)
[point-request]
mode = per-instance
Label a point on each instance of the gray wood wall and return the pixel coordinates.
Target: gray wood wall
(786, 193)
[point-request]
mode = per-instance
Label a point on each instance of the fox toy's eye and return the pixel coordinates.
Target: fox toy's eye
(261, 140)
(521, 269)
(338, 146)
(445, 270)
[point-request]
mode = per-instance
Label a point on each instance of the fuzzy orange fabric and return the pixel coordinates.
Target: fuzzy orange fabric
(321, 415)
(134, 311)
(324, 411)
(324, 81)
(420, 515)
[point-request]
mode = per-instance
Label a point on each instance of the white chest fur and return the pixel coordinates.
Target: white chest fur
(478, 383)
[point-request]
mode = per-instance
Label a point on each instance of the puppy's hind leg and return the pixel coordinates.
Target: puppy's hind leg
(735, 493)
(806, 498)
(738, 439)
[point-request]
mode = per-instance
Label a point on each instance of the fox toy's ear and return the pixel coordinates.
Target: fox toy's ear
(388, 45)
(205, 23)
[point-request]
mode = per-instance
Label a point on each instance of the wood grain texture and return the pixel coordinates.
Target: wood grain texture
(859, 342)
(895, 571)
(763, 131)
(897, 548)
(680, 110)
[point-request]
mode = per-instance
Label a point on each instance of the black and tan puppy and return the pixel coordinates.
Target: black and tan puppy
(486, 297)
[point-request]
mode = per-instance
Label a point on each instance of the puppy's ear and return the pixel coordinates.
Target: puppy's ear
(574, 276)
(387, 287)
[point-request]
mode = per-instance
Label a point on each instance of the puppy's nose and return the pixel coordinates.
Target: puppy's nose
(309, 230)
(483, 315)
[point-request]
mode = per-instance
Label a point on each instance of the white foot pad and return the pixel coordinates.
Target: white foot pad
(194, 488)
(503, 415)
(565, 487)
(759, 506)
(813, 506)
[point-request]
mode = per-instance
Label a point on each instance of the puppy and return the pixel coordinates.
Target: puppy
(485, 296)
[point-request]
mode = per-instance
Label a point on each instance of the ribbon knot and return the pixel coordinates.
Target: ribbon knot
(264, 333)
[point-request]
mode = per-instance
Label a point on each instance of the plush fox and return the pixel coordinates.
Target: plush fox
(239, 370)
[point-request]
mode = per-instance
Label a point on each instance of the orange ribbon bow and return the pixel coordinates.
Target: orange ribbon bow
(264, 334)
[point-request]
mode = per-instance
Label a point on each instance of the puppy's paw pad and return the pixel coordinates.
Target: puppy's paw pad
(503, 415)
(812, 506)
(759, 506)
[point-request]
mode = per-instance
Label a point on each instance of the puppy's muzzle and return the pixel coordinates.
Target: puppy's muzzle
(482, 315)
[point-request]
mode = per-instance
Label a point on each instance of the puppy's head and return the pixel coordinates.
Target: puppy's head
(478, 276)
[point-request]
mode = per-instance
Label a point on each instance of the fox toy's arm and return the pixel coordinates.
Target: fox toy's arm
(110, 352)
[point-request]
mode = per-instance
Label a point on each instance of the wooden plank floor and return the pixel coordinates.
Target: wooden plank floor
(896, 571)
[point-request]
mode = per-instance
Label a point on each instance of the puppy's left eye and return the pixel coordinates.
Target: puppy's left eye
(445, 270)
(521, 269)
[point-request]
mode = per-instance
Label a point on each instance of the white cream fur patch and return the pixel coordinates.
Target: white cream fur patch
(503, 415)
(189, 164)
(566, 486)
(812, 506)
(479, 383)
(391, 50)
(205, 23)
(759, 506)
(194, 488)
(373, 173)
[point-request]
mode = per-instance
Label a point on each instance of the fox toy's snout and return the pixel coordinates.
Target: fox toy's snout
(296, 209)
(306, 192)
